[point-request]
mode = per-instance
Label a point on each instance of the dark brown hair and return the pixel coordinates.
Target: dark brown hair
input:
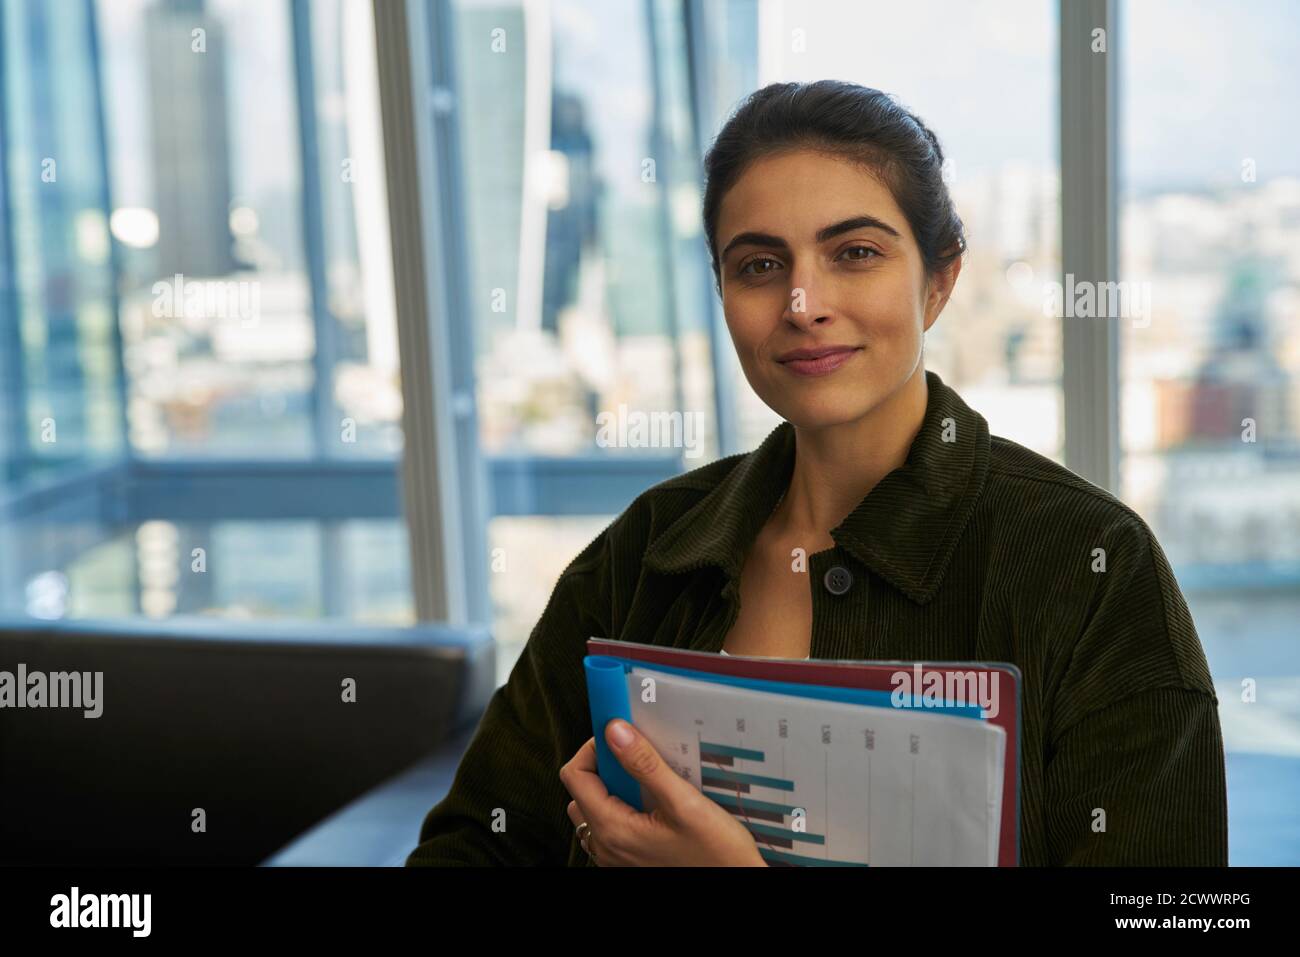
(854, 122)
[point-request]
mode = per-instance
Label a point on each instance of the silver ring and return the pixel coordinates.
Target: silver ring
(584, 834)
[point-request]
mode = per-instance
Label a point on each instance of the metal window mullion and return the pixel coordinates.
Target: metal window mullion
(326, 420)
(443, 211)
(441, 469)
(699, 49)
(116, 341)
(1089, 124)
(661, 149)
(14, 451)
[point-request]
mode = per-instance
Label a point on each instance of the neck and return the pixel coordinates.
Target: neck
(836, 466)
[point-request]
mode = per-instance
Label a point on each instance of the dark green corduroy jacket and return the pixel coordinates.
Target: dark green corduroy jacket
(975, 549)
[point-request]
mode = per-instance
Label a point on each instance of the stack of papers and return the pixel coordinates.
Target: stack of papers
(826, 763)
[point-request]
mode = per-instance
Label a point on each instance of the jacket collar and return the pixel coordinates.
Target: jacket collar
(904, 530)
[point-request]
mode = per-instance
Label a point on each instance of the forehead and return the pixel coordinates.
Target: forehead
(794, 194)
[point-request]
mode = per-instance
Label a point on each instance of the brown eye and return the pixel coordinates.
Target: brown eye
(744, 270)
(869, 249)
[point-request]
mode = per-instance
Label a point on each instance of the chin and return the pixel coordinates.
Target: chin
(819, 412)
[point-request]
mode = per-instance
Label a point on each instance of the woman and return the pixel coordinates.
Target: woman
(835, 246)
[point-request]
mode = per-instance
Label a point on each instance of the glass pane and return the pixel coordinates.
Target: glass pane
(62, 386)
(1211, 377)
(588, 283)
(216, 308)
(581, 200)
(359, 313)
(206, 326)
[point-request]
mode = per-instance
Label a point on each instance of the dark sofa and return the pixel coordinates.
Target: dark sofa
(246, 721)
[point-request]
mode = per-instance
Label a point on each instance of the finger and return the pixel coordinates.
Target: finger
(642, 761)
(586, 842)
(586, 787)
(575, 813)
(605, 812)
(583, 760)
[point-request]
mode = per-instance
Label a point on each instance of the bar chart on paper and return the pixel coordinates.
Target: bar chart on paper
(829, 782)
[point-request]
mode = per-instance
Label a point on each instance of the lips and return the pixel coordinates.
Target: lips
(818, 361)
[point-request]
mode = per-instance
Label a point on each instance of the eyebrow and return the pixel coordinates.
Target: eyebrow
(823, 234)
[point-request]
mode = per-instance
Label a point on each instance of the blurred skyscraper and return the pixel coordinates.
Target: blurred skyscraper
(189, 136)
(571, 220)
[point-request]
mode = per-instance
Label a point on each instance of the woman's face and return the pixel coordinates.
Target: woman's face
(815, 255)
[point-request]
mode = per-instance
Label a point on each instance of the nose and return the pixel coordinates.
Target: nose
(804, 307)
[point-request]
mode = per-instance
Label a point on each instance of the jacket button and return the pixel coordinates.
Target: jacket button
(838, 580)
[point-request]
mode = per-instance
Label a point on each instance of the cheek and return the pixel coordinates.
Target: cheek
(888, 309)
(750, 322)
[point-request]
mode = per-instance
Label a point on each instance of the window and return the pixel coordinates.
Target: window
(204, 406)
(62, 379)
(1211, 372)
(588, 286)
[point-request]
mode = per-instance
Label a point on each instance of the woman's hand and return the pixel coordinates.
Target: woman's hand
(686, 828)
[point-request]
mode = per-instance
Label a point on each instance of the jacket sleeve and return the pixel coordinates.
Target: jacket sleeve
(1134, 760)
(506, 804)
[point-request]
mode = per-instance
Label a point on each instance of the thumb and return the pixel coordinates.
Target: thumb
(639, 757)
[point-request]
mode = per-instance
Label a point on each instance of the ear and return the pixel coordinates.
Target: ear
(939, 288)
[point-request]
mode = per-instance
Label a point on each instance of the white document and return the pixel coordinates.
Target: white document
(824, 782)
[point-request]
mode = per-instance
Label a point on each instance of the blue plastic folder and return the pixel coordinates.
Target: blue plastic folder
(607, 691)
